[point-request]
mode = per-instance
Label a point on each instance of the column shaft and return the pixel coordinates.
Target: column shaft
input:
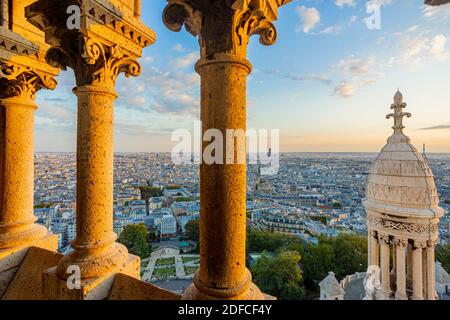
(137, 8)
(4, 13)
(431, 283)
(95, 250)
(385, 266)
(17, 174)
(400, 294)
(375, 251)
(223, 186)
(417, 273)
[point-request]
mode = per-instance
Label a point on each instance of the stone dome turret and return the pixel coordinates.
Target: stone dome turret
(401, 182)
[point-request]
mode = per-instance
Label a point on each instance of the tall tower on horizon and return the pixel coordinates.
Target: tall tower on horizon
(402, 206)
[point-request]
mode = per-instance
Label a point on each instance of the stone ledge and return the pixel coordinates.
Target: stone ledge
(12, 258)
(129, 288)
(97, 288)
(27, 282)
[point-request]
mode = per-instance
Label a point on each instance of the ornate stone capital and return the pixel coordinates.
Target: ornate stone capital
(420, 244)
(94, 62)
(224, 26)
(384, 237)
(401, 243)
(22, 82)
(107, 42)
(431, 243)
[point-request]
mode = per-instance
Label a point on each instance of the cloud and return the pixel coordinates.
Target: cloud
(417, 48)
(439, 127)
(436, 12)
(309, 18)
(356, 66)
(178, 48)
(437, 48)
(343, 3)
(300, 78)
(331, 30)
(187, 60)
(344, 89)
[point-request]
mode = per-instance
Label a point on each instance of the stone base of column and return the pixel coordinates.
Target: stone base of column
(252, 293)
(12, 258)
(401, 296)
(416, 298)
(96, 288)
(383, 295)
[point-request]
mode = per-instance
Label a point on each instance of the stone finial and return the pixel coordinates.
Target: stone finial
(398, 114)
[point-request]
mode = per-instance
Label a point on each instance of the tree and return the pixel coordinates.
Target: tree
(280, 276)
(193, 230)
(344, 255)
(135, 238)
(259, 241)
(337, 205)
(443, 256)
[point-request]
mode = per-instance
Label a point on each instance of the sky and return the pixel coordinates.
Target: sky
(326, 84)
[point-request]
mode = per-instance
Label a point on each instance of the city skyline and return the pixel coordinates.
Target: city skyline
(327, 84)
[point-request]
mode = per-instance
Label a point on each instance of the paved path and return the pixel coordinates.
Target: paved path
(166, 253)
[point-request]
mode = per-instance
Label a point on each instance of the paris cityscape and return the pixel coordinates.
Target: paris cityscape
(308, 186)
(135, 162)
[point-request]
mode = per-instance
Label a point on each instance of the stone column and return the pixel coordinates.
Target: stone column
(401, 247)
(4, 13)
(374, 249)
(385, 265)
(417, 271)
(137, 8)
(431, 277)
(18, 230)
(96, 68)
(424, 272)
(409, 262)
(369, 246)
(224, 29)
(18, 86)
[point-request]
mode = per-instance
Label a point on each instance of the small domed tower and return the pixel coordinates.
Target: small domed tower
(403, 213)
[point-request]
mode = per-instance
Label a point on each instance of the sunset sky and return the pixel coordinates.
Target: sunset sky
(326, 84)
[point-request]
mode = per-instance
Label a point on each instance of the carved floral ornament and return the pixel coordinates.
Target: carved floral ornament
(23, 82)
(94, 63)
(246, 18)
(411, 228)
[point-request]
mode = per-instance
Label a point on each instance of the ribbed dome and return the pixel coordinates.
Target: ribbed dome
(401, 182)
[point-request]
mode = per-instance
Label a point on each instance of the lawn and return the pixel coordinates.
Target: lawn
(165, 262)
(164, 272)
(190, 270)
(189, 259)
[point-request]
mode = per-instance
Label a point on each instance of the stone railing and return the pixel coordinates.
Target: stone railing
(348, 279)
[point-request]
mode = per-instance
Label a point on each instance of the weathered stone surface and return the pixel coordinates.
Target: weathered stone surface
(27, 282)
(11, 259)
(224, 29)
(95, 288)
(130, 288)
(107, 43)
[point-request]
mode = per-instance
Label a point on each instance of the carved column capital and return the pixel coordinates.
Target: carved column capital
(401, 243)
(384, 237)
(431, 243)
(419, 244)
(93, 62)
(22, 83)
(224, 26)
